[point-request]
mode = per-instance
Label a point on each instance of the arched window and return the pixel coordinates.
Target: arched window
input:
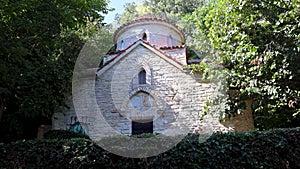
(142, 77)
(122, 45)
(144, 36)
(170, 40)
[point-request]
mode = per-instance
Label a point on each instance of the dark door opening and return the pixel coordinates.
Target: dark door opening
(142, 127)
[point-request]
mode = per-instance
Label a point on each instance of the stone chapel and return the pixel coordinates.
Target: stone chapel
(144, 86)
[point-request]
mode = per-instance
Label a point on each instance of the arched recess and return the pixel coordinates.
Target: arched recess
(142, 105)
(142, 101)
(143, 76)
(153, 102)
(142, 112)
(145, 35)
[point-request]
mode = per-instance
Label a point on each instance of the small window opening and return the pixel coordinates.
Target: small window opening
(142, 77)
(170, 41)
(144, 36)
(122, 45)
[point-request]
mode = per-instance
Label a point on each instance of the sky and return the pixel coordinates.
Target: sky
(119, 8)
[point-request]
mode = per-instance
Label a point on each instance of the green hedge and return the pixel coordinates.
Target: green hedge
(270, 149)
(63, 134)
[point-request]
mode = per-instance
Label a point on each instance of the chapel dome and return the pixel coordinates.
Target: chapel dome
(151, 28)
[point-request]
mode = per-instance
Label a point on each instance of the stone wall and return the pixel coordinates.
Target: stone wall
(180, 95)
(178, 100)
(178, 54)
(64, 120)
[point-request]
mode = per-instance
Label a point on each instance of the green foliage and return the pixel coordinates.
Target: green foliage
(40, 41)
(170, 10)
(63, 134)
(73, 153)
(173, 10)
(258, 43)
(132, 10)
(271, 149)
(198, 68)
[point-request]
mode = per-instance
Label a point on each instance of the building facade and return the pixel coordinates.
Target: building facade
(144, 86)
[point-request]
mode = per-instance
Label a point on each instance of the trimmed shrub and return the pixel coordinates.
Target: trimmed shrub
(63, 134)
(269, 149)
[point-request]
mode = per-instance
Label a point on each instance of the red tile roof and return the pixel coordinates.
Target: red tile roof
(172, 47)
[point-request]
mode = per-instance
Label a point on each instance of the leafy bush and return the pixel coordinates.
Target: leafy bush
(63, 134)
(270, 149)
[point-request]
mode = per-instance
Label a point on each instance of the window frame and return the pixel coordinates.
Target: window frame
(142, 77)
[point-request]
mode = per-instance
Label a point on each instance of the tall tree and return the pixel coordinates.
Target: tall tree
(132, 10)
(171, 10)
(40, 41)
(258, 43)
